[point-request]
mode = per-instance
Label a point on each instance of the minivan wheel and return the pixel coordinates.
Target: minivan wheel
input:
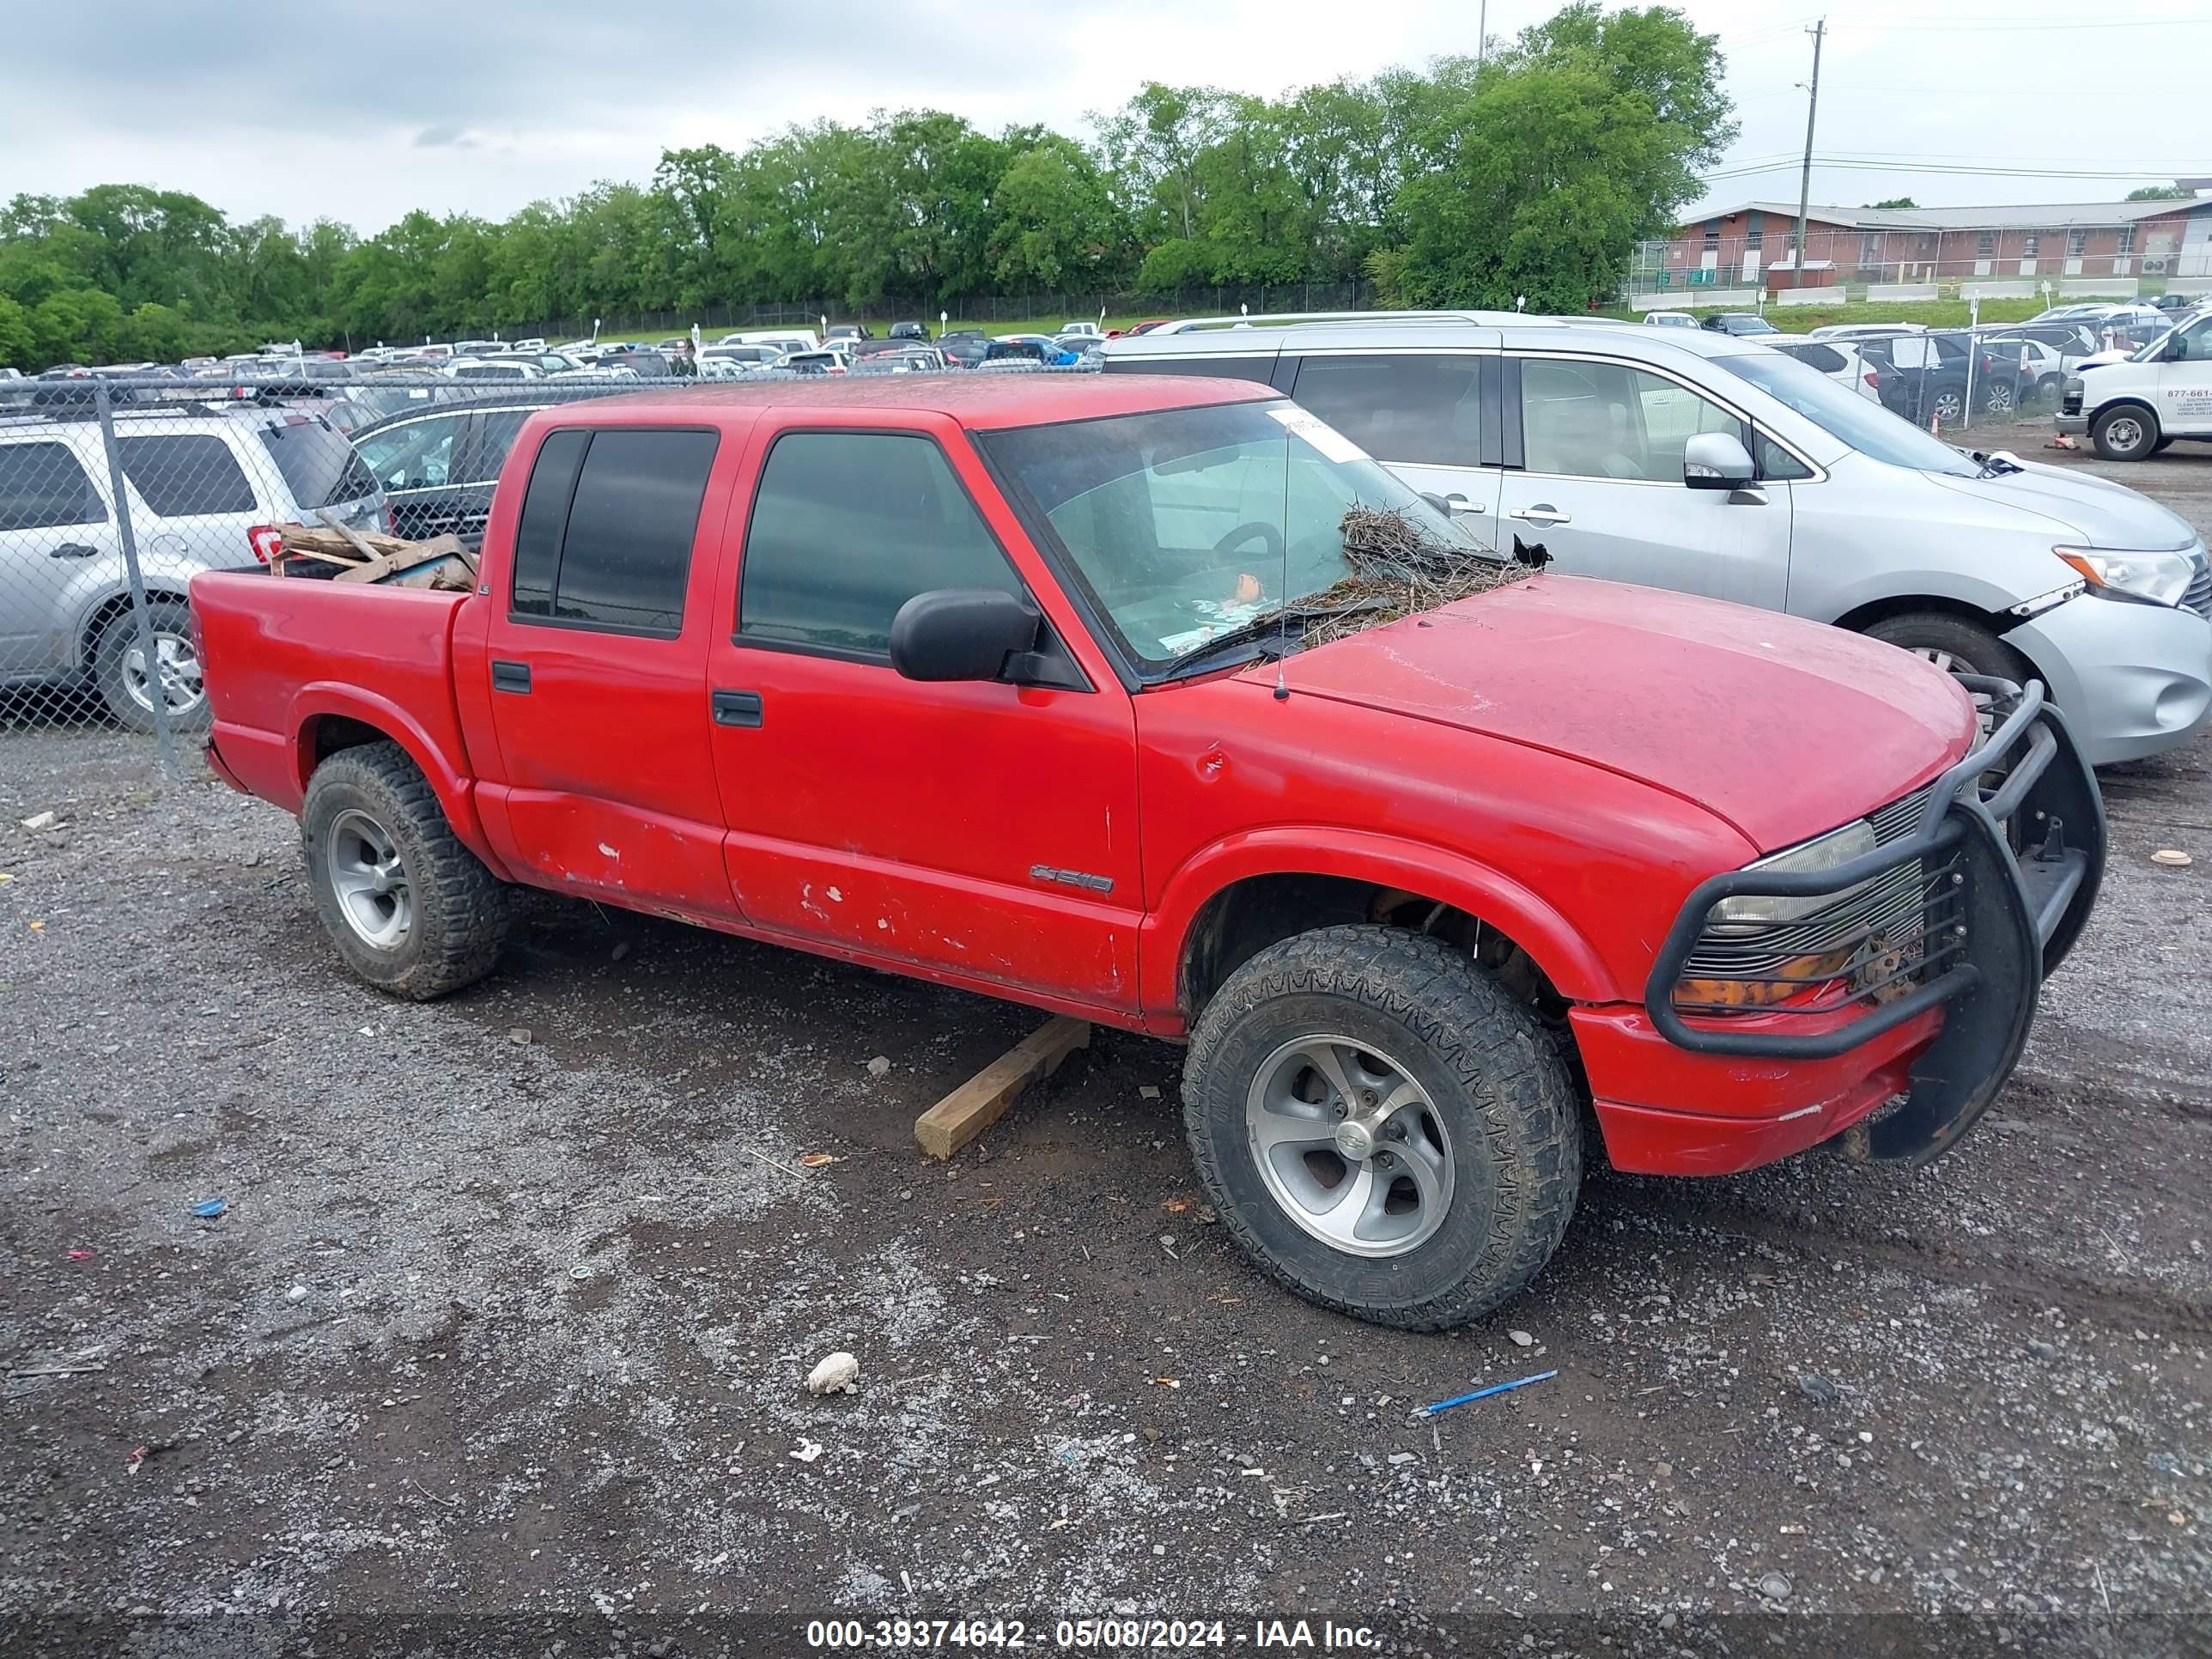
(411, 910)
(1382, 1127)
(1957, 646)
(2128, 433)
(118, 668)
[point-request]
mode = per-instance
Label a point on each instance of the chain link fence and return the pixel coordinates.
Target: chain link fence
(116, 489)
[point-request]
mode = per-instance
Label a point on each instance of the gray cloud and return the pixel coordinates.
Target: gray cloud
(445, 136)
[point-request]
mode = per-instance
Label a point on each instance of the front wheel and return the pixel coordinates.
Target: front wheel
(1999, 400)
(1948, 405)
(2128, 433)
(1382, 1127)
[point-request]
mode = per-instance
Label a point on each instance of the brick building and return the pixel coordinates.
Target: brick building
(1749, 245)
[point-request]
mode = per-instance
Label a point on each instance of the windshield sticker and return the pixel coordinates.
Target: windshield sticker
(1327, 439)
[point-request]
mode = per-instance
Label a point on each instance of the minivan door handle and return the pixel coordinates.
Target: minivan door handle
(1542, 513)
(72, 550)
(736, 708)
(511, 677)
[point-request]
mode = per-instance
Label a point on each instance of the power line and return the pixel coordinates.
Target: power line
(1919, 26)
(1871, 165)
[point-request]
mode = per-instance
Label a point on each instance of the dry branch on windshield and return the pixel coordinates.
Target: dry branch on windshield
(1400, 569)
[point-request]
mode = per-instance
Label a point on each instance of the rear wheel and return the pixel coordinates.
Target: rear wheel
(1382, 1127)
(119, 669)
(411, 910)
(2000, 398)
(2129, 433)
(1948, 405)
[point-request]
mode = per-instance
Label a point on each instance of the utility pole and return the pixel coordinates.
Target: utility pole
(1805, 177)
(1481, 38)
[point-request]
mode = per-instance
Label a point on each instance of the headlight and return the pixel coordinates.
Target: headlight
(2153, 578)
(2071, 385)
(1838, 847)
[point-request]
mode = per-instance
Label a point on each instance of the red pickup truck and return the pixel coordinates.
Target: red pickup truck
(1005, 681)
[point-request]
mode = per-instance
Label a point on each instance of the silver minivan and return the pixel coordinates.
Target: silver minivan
(1695, 460)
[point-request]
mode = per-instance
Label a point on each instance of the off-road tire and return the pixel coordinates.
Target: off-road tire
(2110, 432)
(1971, 648)
(460, 910)
(1491, 1074)
(115, 644)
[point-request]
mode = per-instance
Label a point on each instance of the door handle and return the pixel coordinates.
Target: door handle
(1543, 514)
(511, 677)
(736, 708)
(1458, 503)
(72, 550)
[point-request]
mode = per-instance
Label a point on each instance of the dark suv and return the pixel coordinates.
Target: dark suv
(1923, 377)
(1739, 323)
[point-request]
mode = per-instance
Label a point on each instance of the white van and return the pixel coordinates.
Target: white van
(2156, 394)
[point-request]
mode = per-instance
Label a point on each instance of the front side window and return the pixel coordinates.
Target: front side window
(179, 476)
(1861, 423)
(1419, 410)
(846, 527)
(608, 525)
(417, 455)
(1594, 420)
(1185, 525)
(42, 487)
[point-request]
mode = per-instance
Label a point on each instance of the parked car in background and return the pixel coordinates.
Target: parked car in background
(479, 348)
(783, 339)
(1924, 377)
(484, 368)
(1576, 437)
(1670, 320)
(2042, 366)
(910, 331)
(1049, 351)
(964, 350)
(646, 365)
(846, 332)
(1840, 360)
(1865, 331)
(729, 363)
(1742, 323)
(436, 464)
(1420, 899)
(2158, 394)
(831, 359)
(1145, 327)
(205, 485)
(1088, 329)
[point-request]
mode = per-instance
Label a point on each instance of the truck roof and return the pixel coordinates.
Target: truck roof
(980, 399)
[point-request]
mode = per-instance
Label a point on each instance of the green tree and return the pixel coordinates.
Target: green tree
(2173, 192)
(1895, 202)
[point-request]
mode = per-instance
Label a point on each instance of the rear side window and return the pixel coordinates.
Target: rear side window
(846, 527)
(42, 486)
(1419, 410)
(627, 508)
(1814, 355)
(179, 476)
(317, 463)
(489, 446)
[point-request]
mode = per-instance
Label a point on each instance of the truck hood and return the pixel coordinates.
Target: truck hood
(2091, 511)
(1782, 727)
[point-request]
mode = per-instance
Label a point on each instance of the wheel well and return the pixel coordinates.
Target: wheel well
(328, 733)
(117, 604)
(2124, 401)
(1246, 917)
(1878, 611)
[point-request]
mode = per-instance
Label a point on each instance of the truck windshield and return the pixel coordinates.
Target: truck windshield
(1190, 524)
(1863, 424)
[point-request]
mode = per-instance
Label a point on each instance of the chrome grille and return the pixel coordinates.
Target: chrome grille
(2198, 597)
(1889, 930)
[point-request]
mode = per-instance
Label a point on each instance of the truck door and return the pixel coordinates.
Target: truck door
(597, 654)
(986, 830)
(1600, 485)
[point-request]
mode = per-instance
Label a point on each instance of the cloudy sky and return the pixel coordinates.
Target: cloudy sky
(361, 109)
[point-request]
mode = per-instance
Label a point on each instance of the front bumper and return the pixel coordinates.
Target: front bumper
(2134, 679)
(2072, 425)
(2018, 866)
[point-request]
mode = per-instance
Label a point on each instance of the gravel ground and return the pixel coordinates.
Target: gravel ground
(499, 1346)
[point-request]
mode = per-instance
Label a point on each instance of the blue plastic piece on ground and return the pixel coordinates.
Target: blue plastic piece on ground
(209, 1208)
(1484, 1393)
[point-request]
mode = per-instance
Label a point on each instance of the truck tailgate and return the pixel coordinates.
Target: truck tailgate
(280, 655)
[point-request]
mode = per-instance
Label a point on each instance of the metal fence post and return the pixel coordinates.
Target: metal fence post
(150, 654)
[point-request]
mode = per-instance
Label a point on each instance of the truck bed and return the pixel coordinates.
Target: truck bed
(285, 657)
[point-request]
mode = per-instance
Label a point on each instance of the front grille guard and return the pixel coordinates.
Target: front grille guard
(2001, 920)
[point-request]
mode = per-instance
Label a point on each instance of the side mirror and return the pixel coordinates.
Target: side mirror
(961, 633)
(2177, 349)
(1716, 460)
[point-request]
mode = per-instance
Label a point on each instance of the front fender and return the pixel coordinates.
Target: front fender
(456, 792)
(1435, 872)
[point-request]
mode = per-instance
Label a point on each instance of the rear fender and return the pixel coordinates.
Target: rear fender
(1495, 899)
(456, 792)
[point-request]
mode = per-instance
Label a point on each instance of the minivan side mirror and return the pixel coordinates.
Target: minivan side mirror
(1716, 460)
(961, 633)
